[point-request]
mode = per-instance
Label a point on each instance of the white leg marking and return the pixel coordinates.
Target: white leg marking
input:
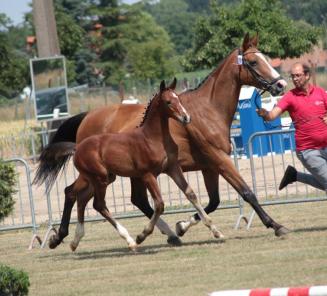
(124, 234)
(79, 233)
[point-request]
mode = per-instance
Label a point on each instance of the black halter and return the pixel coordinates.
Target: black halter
(265, 85)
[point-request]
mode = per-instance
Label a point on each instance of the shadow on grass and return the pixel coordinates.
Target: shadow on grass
(311, 229)
(125, 252)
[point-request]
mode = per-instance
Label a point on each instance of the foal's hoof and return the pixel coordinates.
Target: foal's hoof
(53, 241)
(218, 234)
(282, 231)
(180, 230)
(132, 247)
(174, 241)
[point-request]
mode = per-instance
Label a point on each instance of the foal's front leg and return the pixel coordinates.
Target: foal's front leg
(176, 174)
(152, 185)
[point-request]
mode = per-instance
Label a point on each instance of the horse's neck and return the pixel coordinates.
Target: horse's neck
(155, 125)
(221, 89)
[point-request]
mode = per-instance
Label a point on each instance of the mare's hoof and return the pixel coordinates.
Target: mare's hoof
(53, 241)
(139, 239)
(174, 241)
(180, 230)
(73, 247)
(281, 231)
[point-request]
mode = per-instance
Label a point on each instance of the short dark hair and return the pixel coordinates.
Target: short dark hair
(306, 69)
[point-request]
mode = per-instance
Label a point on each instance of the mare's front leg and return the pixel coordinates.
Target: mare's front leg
(211, 183)
(232, 176)
(139, 198)
(176, 174)
(152, 185)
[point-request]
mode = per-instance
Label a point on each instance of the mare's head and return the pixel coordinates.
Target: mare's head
(255, 69)
(169, 100)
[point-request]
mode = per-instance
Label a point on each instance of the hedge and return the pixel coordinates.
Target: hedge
(8, 179)
(13, 282)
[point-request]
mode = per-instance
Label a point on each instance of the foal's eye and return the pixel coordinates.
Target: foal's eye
(168, 103)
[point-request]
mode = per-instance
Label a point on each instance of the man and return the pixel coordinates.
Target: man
(307, 106)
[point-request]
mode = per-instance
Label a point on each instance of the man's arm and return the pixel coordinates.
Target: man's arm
(269, 115)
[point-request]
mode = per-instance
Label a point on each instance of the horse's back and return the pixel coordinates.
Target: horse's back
(110, 119)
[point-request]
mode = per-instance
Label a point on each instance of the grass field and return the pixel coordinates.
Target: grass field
(247, 259)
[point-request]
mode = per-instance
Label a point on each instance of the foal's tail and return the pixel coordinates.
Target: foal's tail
(56, 155)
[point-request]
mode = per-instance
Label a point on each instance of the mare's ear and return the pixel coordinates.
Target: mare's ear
(255, 40)
(173, 84)
(246, 42)
(162, 86)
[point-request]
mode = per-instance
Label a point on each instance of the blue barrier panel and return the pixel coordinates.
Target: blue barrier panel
(250, 121)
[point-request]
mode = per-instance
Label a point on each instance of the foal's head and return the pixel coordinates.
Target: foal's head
(171, 103)
(258, 72)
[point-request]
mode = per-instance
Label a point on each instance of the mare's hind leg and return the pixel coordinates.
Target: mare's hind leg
(139, 198)
(177, 175)
(70, 199)
(152, 185)
(212, 186)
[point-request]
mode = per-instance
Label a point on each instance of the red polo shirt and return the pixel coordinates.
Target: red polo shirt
(307, 112)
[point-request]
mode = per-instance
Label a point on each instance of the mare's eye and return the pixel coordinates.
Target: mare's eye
(253, 63)
(168, 103)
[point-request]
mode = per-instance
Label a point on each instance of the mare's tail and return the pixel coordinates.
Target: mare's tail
(57, 153)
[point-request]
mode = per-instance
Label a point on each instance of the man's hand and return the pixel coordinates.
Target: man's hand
(262, 112)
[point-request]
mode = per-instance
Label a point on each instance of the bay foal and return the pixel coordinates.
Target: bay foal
(142, 153)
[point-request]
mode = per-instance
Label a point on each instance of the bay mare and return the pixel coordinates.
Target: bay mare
(204, 144)
(143, 153)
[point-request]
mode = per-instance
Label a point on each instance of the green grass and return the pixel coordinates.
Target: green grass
(102, 265)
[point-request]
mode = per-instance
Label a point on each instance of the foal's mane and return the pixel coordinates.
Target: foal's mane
(147, 109)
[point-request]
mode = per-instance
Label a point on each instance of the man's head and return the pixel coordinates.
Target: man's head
(300, 74)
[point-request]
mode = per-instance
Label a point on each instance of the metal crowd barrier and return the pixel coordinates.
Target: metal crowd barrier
(23, 215)
(268, 170)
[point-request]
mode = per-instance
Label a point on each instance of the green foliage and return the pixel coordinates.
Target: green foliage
(136, 45)
(13, 282)
(174, 16)
(70, 34)
(7, 189)
(13, 69)
(217, 35)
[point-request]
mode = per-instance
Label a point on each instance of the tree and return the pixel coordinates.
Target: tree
(176, 18)
(70, 34)
(13, 65)
(132, 42)
(217, 35)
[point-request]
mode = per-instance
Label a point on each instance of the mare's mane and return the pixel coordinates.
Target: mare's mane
(205, 78)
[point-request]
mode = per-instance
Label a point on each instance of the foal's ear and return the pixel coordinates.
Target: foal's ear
(162, 85)
(173, 84)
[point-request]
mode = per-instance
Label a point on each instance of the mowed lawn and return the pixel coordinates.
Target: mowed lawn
(102, 265)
